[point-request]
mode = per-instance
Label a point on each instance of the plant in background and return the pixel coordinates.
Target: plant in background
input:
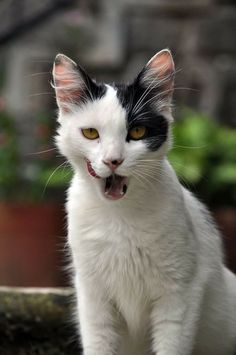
(43, 178)
(49, 175)
(9, 159)
(204, 157)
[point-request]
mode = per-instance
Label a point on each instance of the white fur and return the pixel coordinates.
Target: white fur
(149, 274)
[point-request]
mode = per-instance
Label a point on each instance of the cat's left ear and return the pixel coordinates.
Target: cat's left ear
(157, 78)
(69, 82)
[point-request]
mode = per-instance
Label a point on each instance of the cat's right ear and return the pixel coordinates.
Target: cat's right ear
(68, 82)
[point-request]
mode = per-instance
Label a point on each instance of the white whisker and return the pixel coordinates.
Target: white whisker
(36, 74)
(42, 151)
(41, 93)
(48, 180)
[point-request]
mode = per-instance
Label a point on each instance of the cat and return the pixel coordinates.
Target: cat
(147, 257)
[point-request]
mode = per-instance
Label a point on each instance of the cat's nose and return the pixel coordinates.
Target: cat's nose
(113, 164)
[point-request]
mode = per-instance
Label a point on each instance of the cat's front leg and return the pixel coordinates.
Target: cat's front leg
(167, 326)
(98, 322)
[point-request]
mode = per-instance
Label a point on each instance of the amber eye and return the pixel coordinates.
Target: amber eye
(90, 133)
(137, 132)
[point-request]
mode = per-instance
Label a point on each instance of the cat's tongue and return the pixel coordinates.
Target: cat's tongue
(115, 186)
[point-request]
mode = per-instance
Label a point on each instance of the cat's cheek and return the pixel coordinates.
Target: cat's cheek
(134, 151)
(138, 147)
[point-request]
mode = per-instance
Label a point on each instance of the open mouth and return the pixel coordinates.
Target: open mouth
(114, 186)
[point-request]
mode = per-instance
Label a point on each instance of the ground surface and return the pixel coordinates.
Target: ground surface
(36, 322)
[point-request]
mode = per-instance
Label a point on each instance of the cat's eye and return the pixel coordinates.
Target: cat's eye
(137, 132)
(90, 133)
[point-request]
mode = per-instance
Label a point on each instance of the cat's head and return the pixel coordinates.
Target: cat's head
(115, 134)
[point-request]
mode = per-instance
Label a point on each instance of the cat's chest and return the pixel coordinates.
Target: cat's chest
(127, 271)
(127, 229)
(122, 258)
(121, 252)
(125, 254)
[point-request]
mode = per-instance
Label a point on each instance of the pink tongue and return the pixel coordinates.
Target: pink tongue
(115, 187)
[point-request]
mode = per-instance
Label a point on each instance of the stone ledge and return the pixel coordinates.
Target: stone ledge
(36, 321)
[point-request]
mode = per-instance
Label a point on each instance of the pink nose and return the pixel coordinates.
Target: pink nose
(113, 164)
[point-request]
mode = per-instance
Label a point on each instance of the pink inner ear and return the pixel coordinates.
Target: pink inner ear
(67, 84)
(162, 67)
(64, 78)
(59, 69)
(163, 63)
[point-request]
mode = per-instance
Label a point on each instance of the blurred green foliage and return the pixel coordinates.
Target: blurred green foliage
(9, 158)
(52, 173)
(44, 177)
(204, 158)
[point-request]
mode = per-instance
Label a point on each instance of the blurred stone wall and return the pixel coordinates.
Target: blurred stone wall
(200, 33)
(114, 39)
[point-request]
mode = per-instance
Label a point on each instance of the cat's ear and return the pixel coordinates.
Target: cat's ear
(157, 77)
(69, 82)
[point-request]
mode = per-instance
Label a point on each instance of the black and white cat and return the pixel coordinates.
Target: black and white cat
(147, 259)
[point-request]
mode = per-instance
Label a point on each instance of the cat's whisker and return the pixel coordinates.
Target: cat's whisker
(142, 180)
(42, 151)
(41, 93)
(145, 176)
(149, 163)
(148, 174)
(37, 74)
(190, 147)
(149, 168)
(54, 171)
(137, 177)
(149, 159)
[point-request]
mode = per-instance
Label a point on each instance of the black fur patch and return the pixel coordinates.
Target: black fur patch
(93, 91)
(140, 112)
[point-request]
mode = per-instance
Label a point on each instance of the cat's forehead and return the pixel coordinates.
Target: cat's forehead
(105, 111)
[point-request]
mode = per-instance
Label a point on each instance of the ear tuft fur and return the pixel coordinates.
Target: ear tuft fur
(158, 79)
(160, 70)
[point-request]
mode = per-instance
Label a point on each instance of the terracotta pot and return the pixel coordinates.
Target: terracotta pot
(31, 237)
(226, 220)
